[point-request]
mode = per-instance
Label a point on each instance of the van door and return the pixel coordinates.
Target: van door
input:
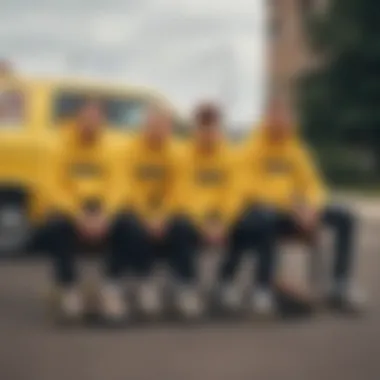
(19, 157)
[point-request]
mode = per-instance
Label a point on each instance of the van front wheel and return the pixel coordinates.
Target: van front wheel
(15, 230)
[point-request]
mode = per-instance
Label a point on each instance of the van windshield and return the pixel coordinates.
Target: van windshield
(12, 108)
(121, 112)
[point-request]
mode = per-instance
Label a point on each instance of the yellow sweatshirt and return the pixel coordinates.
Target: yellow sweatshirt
(148, 177)
(281, 173)
(77, 174)
(208, 185)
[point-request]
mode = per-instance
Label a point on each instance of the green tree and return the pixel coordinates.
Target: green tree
(340, 101)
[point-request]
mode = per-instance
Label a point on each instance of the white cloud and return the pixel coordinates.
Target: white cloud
(190, 49)
(212, 7)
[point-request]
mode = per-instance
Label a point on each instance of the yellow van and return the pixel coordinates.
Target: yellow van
(32, 111)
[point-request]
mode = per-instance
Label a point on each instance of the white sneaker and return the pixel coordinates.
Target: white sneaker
(347, 298)
(230, 296)
(112, 303)
(150, 298)
(264, 303)
(72, 304)
(190, 303)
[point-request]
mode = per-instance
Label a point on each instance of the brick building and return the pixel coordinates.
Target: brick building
(288, 51)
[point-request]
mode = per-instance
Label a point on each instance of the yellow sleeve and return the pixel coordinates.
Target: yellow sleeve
(55, 183)
(178, 190)
(184, 198)
(118, 181)
(134, 194)
(309, 181)
(233, 194)
(250, 178)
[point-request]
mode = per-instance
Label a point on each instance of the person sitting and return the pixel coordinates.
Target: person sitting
(82, 193)
(209, 208)
(292, 191)
(149, 160)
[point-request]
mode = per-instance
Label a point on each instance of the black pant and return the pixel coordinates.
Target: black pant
(261, 229)
(342, 224)
(183, 244)
(253, 231)
(60, 238)
(144, 251)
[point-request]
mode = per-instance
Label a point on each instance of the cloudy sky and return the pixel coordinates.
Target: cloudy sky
(190, 49)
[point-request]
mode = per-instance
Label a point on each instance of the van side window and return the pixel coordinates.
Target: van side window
(126, 113)
(12, 108)
(122, 113)
(66, 105)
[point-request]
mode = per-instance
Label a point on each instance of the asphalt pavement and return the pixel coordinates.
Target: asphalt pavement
(322, 346)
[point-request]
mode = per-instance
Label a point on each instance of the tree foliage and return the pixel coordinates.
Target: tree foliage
(340, 101)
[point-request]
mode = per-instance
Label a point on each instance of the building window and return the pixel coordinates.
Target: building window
(275, 28)
(307, 6)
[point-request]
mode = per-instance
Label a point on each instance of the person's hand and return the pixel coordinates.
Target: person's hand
(92, 226)
(156, 227)
(214, 234)
(307, 219)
